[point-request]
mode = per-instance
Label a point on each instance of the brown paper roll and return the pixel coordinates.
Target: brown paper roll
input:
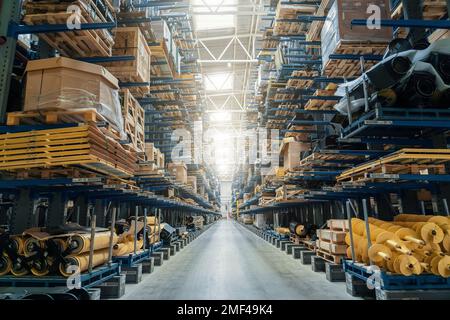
(81, 243)
(82, 261)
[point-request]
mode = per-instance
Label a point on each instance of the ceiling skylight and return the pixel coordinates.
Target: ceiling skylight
(203, 21)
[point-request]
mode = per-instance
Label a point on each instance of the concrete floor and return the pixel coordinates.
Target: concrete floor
(230, 262)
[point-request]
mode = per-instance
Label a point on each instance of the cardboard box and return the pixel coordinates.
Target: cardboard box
(337, 28)
(129, 41)
(291, 151)
(179, 170)
(332, 248)
(331, 236)
(67, 84)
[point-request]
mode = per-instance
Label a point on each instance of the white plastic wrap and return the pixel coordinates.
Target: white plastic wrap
(76, 99)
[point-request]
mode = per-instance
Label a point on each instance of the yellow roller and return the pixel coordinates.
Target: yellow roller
(5, 264)
(80, 243)
(122, 249)
(379, 252)
(82, 261)
(407, 234)
(40, 267)
(434, 264)
(31, 246)
(446, 243)
(282, 230)
(444, 267)
(416, 217)
(408, 265)
(393, 241)
(390, 263)
(18, 243)
(18, 269)
(431, 232)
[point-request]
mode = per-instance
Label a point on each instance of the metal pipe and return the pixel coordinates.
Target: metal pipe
(349, 110)
(422, 207)
(366, 221)
(350, 229)
(145, 228)
(91, 245)
(444, 201)
(135, 229)
(366, 94)
(111, 237)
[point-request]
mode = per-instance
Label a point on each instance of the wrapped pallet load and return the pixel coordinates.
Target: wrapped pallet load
(338, 36)
(69, 85)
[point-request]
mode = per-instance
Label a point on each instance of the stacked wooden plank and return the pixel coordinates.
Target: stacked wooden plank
(301, 83)
(404, 161)
(331, 242)
(80, 146)
(133, 121)
(77, 43)
(129, 41)
(286, 11)
(316, 26)
(432, 10)
(319, 104)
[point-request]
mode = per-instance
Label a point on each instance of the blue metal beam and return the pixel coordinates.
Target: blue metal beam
(411, 23)
(16, 29)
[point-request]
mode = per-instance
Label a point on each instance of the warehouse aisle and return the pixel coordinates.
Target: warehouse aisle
(230, 262)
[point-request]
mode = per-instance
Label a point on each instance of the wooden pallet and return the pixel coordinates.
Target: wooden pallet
(338, 225)
(325, 158)
(405, 161)
(145, 27)
(61, 116)
(311, 245)
(134, 121)
(330, 257)
(84, 146)
(352, 68)
(299, 83)
(77, 43)
(317, 104)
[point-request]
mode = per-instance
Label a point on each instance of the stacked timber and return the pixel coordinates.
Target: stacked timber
(79, 146)
(76, 43)
(409, 245)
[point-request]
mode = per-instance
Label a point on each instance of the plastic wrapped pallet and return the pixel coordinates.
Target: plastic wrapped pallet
(71, 85)
(337, 28)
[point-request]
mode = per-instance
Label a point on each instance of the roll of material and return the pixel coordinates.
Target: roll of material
(122, 249)
(32, 246)
(41, 267)
(18, 243)
(19, 269)
(81, 261)
(5, 265)
(152, 220)
(297, 229)
(418, 218)
(80, 243)
(282, 230)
